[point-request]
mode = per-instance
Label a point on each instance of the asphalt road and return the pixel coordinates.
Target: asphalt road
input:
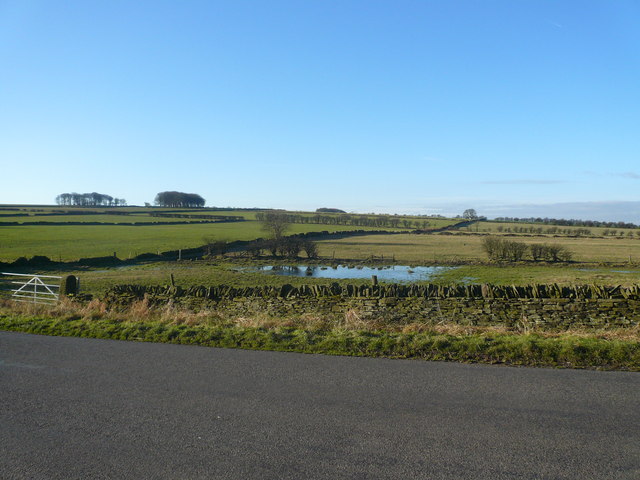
(89, 409)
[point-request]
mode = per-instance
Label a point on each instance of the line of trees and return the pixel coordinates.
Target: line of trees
(352, 220)
(578, 232)
(179, 199)
(621, 233)
(502, 250)
(93, 199)
(289, 247)
(568, 223)
(275, 225)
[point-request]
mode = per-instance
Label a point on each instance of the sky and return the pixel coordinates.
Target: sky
(513, 108)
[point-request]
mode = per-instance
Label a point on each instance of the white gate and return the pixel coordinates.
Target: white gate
(34, 288)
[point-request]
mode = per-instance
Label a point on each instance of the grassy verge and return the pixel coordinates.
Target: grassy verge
(317, 336)
(515, 274)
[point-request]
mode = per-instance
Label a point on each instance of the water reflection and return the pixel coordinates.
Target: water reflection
(395, 273)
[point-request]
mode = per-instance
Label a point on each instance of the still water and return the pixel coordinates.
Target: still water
(395, 273)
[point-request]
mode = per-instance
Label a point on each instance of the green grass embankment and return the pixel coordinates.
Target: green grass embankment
(513, 349)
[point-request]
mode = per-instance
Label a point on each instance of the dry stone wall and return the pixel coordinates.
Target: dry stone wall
(550, 306)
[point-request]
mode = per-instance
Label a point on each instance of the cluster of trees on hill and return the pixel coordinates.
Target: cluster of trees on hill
(93, 199)
(353, 220)
(329, 210)
(179, 199)
(499, 249)
(567, 223)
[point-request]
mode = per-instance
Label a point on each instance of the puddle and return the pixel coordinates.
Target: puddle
(394, 274)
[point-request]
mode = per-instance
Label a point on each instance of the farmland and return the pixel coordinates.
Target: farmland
(598, 257)
(72, 242)
(94, 233)
(603, 259)
(442, 248)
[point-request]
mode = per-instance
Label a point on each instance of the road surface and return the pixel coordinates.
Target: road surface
(73, 408)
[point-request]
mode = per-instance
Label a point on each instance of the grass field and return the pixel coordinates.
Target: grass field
(185, 274)
(105, 215)
(534, 229)
(96, 281)
(71, 242)
(596, 259)
(428, 249)
(101, 218)
(546, 274)
(144, 214)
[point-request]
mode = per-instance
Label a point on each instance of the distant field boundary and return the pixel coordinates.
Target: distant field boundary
(132, 224)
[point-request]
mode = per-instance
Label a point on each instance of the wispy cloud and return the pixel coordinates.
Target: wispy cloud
(633, 175)
(522, 182)
(555, 24)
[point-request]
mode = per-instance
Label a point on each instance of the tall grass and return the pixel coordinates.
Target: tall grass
(351, 334)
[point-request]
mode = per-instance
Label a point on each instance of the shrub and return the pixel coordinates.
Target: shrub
(537, 251)
(290, 246)
(491, 246)
(310, 248)
(504, 250)
(550, 252)
(255, 248)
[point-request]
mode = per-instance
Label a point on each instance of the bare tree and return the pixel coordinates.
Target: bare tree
(310, 248)
(469, 214)
(275, 224)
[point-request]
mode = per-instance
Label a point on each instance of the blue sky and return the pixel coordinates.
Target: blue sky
(427, 107)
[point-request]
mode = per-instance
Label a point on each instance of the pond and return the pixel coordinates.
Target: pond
(394, 273)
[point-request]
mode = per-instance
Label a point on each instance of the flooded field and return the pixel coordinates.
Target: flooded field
(394, 273)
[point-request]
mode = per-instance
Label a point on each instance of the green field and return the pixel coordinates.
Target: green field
(107, 215)
(101, 218)
(71, 242)
(96, 281)
(600, 259)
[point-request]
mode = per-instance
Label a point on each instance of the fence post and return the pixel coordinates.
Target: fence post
(69, 285)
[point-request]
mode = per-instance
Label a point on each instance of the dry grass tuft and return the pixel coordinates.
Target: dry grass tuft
(94, 310)
(140, 309)
(171, 313)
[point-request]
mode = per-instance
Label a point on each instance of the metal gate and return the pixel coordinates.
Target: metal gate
(33, 288)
